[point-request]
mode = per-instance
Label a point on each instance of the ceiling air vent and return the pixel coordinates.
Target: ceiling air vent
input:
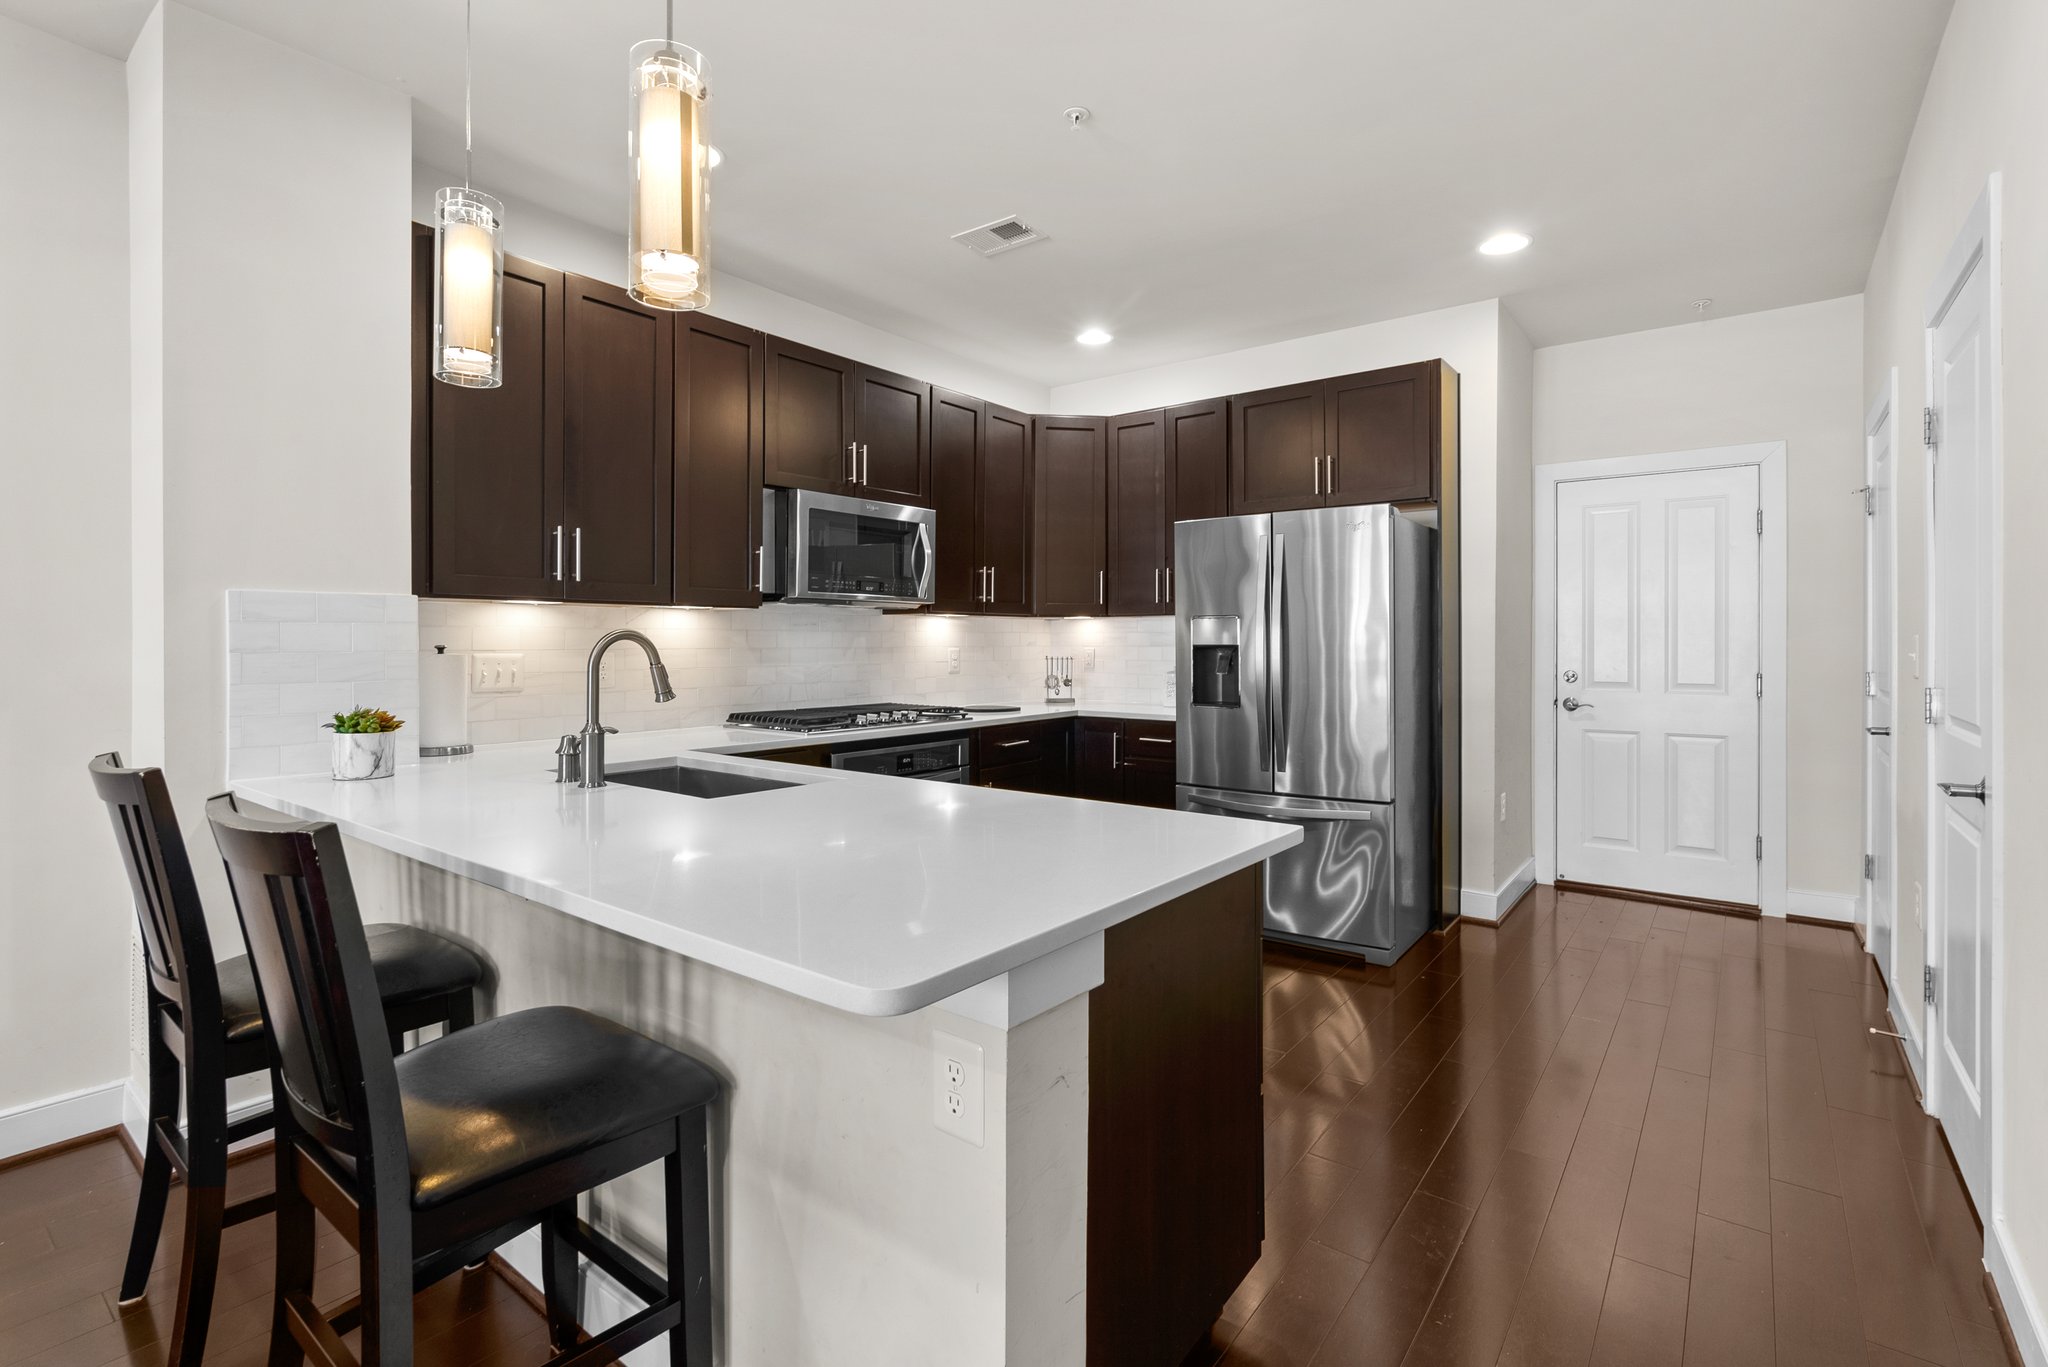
(992, 239)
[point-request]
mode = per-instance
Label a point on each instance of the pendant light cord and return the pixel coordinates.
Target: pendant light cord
(467, 133)
(668, 32)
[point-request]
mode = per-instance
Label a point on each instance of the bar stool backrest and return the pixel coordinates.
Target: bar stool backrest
(312, 963)
(175, 943)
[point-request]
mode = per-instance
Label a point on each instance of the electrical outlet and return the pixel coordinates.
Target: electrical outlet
(957, 1103)
(1503, 806)
(1088, 658)
(952, 659)
(498, 671)
(1914, 656)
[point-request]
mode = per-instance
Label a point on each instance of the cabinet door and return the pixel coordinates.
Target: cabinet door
(893, 424)
(1197, 460)
(1098, 756)
(1002, 518)
(1137, 515)
(960, 581)
(718, 443)
(810, 418)
(1067, 541)
(1276, 449)
(618, 456)
(1379, 439)
(487, 483)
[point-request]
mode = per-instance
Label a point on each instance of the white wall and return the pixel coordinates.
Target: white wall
(1469, 339)
(1792, 375)
(566, 244)
(1985, 110)
(64, 908)
(1514, 606)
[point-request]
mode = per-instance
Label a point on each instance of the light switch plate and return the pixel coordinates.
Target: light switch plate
(957, 1087)
(497, 671)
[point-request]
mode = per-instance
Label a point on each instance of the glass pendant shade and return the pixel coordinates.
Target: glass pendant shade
(469, 288)
(666, 238)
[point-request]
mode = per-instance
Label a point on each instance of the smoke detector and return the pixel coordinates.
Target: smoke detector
(993, 239)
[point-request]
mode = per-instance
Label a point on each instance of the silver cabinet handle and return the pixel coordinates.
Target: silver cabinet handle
(579, 555)
(863, 464)
(1975, 790)
(1114, 761)
(1155, 585)
(1573, 705)
(558, 554)
(1158, 740)
(1010, 744)
(1169, 583)
(1100, 591)
(991, 583)
(1315, 474)
(760, 569)
(853, 462)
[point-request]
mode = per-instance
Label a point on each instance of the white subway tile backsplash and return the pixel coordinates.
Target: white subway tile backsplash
(326, 638)
(296, 659)
(252, 605)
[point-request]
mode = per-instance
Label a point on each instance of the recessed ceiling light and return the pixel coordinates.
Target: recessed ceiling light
(1504, 244)
(1092, 337)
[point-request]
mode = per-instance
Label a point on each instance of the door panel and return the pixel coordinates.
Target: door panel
(893, 425)
(1276, 446)
(1003, 516)
(1068, 522)
(1137, 515)
(809, 419)
(1379, 447)
(618, 461)
(494, 456)
(1657, 649)
(718, 445)
(959, 582)
(1960, 636)
(1220, 638)
(1332, 688)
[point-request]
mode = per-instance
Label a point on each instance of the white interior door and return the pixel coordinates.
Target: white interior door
(1879, 693)
(1657, 685)
(1960, 634)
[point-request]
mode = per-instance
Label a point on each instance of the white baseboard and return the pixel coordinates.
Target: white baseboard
(55, 1119)
(2022, 1311)
(134, 1108)
(1491, 906)
(1822, 906)
(605, 1302)
(1909, 1039)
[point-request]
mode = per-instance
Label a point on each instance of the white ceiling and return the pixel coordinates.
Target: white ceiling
(1251, 172)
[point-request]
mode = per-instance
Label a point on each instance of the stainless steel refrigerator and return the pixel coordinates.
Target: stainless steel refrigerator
(1306, 649)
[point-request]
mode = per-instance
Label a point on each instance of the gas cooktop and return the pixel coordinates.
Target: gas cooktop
(844, 718)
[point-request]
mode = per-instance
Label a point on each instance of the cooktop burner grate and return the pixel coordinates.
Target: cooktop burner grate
(844, 718)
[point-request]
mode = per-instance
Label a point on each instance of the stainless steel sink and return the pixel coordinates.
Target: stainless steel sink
(688, 780)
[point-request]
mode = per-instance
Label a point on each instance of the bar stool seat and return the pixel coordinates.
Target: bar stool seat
(413, 966)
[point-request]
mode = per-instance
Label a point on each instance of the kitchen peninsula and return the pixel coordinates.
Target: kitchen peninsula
(831, 944)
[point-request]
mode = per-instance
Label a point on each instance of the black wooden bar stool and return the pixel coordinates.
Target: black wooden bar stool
(427, 1161)
(205, 1021)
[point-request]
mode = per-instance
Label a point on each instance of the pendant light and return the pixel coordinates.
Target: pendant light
(469, 269)
(666, 237)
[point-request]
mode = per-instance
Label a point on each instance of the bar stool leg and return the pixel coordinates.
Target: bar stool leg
(559, 1283)
(295, 1242)
(156, 1167)
(206, 1192)
(687, 1174)
(386, 1253)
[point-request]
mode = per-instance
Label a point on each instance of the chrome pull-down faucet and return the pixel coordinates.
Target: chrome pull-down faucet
(584, 761)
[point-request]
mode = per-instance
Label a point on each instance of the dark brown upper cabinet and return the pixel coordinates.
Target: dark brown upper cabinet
(981, 485)
(487, 463)
(892, 424)
(1071, 487)
(718, 446)
(1276, 447)
(1381, 443)
(618, 454)
(1366, 438)
(1139, 527)
(1198, 460)
(810, 397)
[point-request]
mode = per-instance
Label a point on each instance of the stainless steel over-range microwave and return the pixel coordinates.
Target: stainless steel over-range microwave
(829, 548)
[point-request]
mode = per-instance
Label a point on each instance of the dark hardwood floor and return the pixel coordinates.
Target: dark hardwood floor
(1604, 1133)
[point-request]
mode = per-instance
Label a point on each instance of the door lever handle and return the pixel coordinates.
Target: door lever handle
(1877, 730)
(1975, 790)
(1573, 705)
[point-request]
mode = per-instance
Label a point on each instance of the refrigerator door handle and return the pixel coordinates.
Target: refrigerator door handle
(1277, 657)
(1356, 812)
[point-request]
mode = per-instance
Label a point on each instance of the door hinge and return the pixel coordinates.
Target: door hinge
(1870, 868)
(1759, 522)
(1927, 427)
(1759, 684)
(1759, 849)
(1927, 984)
(1930, 705)
(1869, 684)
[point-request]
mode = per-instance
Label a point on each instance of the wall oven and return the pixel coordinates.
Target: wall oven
(829, 548)
(940, 761)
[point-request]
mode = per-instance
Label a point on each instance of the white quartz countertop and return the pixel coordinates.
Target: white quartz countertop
(871, 894)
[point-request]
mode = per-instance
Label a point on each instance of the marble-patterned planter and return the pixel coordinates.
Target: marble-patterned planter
(372, 755)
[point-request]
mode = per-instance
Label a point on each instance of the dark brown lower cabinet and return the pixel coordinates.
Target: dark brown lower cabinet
(1176, 1209)
(1124, 761)
(1026, 757)
(814, 756)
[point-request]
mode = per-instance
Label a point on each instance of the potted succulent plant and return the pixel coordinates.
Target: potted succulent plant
(365, 743)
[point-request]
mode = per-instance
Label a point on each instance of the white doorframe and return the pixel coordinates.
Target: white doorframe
(1882, 409)
(1769, 458)
(1979, 239)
